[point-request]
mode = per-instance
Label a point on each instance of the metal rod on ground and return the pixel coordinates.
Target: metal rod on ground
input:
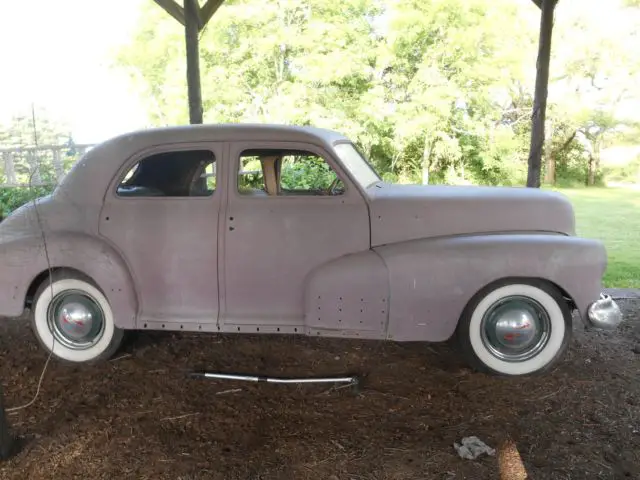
(6, 439)
(353, 380)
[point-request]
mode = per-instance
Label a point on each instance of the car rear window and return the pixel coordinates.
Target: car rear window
(183, 173)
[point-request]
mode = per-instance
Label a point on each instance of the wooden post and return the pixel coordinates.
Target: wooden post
(34, 168)
(5, 156)
(541, 91)
(9, 169)
(194, 20)
(57, 164)
(6, 439)
(191, 28)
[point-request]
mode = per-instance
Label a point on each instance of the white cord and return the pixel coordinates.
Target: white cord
(35, 397)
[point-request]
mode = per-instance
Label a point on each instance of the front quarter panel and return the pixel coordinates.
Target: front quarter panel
(431, 281)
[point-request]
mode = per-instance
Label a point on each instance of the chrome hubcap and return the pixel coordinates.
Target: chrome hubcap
(75, 319)
(515, 328)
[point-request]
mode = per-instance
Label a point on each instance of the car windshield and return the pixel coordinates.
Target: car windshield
(359, 167)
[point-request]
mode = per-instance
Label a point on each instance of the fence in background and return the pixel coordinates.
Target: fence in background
(44, 165)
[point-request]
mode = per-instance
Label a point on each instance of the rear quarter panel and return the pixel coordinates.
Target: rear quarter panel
(22, 260)
(431, 281)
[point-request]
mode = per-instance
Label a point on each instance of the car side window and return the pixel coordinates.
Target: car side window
(183, 173)
(286, 173)
(250, 176)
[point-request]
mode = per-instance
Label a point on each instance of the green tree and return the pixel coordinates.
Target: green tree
(590, 87)
(432, 91)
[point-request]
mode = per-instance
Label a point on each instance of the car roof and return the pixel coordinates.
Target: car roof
(231, 132)
(90, 177)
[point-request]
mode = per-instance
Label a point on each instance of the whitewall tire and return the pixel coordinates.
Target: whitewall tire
(515, 328)
(72, 317)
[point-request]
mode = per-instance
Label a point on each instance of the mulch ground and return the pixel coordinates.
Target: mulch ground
(140, 416)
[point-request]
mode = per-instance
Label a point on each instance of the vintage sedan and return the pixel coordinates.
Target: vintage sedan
(289, 230)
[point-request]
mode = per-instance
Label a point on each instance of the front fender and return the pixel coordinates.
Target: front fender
(23, 259)
(432, 280)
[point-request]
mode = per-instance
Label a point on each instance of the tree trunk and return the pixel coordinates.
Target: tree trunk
(550, 160)
(591, 174)
(540, 98)
(191, 25)
(425, 174)
(6, 440)
(550, 173)
(596, 162)
(426, 160)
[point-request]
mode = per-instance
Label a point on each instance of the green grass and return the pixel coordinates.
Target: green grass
(611, 215)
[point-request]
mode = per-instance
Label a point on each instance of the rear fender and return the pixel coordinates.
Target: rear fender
(23, 260)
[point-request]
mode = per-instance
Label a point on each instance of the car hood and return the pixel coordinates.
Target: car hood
(408, 212)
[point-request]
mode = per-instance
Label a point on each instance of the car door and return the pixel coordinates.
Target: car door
(279, 225)
(162, 214)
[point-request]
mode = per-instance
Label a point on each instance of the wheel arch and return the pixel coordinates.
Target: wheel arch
(92, 259)
(510, 280)
(43, 276)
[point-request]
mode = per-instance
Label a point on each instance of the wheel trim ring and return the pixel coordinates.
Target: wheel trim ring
(542, 323)
(54, 308)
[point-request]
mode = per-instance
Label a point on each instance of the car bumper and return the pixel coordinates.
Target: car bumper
(604, 314)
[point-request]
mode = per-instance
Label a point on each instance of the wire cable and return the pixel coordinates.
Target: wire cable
(48, 260)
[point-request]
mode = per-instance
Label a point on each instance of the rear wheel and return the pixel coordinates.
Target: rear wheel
(72, 317)
(515, 328)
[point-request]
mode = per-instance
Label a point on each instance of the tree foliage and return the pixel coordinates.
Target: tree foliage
(432, 91)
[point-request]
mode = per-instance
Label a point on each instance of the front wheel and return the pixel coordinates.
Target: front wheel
(71, 317)
(515, 328)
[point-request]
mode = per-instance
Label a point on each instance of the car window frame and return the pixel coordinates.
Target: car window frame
(240, 146)
(366, 160)
(140, 155)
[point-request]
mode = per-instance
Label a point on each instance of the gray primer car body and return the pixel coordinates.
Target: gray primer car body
(387, 261)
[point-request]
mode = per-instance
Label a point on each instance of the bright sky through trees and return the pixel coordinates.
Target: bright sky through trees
(61, 63)
(386, 72)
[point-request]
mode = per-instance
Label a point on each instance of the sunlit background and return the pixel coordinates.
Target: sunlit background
(62, 63)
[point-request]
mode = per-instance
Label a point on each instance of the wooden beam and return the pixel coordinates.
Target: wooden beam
(208, 10)
(541, 92)
(194, 20)
(173, 9)
(191, 27)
